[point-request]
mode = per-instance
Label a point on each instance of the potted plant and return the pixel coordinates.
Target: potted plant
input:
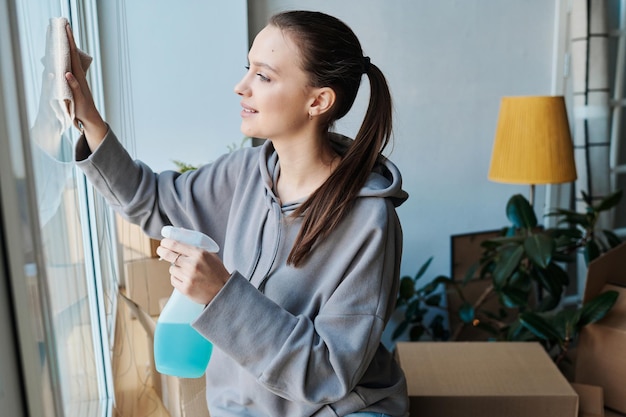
(525, 270)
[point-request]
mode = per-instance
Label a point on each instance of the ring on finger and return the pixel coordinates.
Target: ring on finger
(176, 259)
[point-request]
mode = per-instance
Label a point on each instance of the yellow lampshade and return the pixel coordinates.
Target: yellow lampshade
(533, 144)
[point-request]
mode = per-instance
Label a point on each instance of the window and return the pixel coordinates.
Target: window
(69, 272)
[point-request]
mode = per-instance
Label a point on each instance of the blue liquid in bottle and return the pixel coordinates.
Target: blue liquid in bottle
(180, 350)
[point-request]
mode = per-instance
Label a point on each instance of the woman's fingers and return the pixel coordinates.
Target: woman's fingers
(87, 118)
(74, 56)
(195, 272)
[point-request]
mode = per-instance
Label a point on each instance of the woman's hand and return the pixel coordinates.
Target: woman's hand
(87, 118)
(196, 273)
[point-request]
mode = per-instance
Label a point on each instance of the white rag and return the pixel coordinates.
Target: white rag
(52, 155)
(56, 63)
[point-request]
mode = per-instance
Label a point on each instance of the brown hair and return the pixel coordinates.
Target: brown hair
(332, 56)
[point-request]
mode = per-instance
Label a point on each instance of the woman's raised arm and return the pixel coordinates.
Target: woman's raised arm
(88, 118)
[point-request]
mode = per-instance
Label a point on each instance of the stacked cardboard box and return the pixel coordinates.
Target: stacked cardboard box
(484, 379)
(135, 244)
(590, 400)
(182, 397)
(601, 359)
(147, 283)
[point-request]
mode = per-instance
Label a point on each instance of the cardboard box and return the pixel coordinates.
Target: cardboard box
(600, 358)
(182, 397)
(147, 282)
(134, 242)
(484, 379)
(590, 400)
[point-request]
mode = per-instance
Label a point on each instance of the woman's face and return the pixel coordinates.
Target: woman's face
(275, 95)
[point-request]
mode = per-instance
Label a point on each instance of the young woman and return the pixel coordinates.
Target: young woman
(307, 275)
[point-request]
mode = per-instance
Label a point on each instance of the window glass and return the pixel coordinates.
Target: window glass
(77, 289)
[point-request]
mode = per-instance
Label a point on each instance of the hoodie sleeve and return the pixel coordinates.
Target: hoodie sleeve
(318, 358)
(153, 200)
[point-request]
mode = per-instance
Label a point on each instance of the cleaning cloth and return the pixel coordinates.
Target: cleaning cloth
(56, 63)
(52, 153)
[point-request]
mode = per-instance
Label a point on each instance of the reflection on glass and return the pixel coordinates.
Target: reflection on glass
(72, 348)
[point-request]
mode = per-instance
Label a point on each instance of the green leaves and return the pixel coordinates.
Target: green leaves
(407, 288)
(596, 308)
(539, 249)
(417, 302)
(510, 258)
(561, 328)
(466, 312)
(540, 327)
(520, 212)
(594, 242)
(525, 275)
(609, 202)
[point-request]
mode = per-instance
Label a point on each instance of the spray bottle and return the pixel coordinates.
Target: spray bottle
(179, 350)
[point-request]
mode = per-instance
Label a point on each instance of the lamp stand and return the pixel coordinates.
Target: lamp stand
(531, 199)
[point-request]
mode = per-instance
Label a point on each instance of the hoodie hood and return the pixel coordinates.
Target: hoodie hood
(385, 180)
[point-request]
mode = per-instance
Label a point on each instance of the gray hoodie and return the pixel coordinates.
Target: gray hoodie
(288, 341)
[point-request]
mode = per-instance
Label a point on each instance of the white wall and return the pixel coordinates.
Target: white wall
(448, 63)
(169, 72)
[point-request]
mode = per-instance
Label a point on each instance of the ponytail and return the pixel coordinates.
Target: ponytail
(331, 55)
(328, 205)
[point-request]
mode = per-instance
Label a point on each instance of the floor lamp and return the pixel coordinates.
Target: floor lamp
(532, 144)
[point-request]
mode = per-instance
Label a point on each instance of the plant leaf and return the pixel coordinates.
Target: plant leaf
(437, 328)
(407, 288)
(509, 261)
(596, 308)
(416, 333)
(515, 330)
(512, 297)
(592, 251)
(539, 248)
(432, 286)
(552, 279)
(400, 329)
(576, 219)
(540, 327)
(557, 273)
(471, 272)
(413, 310)
(423, 269)
(520, 212)
(519, 333)
(549, 302)
(560, 212)
(419, 315)
(466, 312)
(520, 281)
(610, 201)
(433, 300)
(565, 321)
(612, 239)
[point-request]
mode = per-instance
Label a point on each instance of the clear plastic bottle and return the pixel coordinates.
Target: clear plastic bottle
(179, 350)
